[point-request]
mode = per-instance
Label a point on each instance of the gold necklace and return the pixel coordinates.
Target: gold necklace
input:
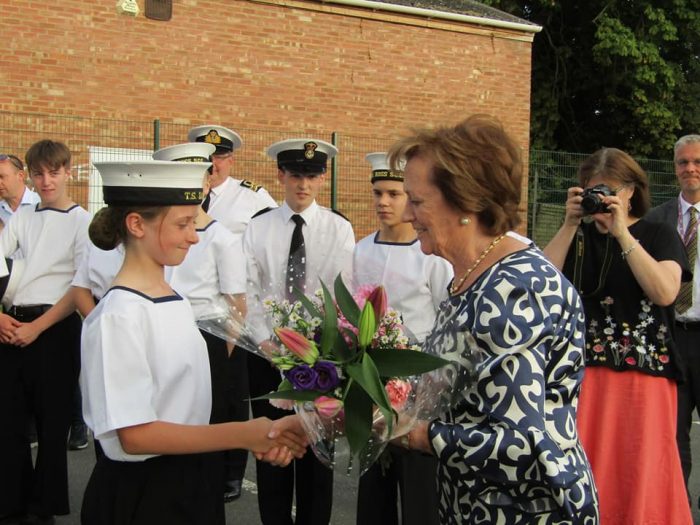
(457, 286)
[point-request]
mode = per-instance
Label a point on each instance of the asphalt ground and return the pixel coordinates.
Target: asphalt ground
(244, 511)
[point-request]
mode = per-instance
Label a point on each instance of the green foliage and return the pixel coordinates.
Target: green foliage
(613, 73)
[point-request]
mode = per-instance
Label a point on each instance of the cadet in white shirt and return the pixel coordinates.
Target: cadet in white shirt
(415, 285)
(327, 240)
(39, 364)
(146, 373)
(13, 190)
(232, 202)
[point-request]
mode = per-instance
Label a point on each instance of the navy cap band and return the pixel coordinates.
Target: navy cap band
(130, 196)
(387, 175)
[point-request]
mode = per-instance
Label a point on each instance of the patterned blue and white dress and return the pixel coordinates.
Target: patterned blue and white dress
(508, 448)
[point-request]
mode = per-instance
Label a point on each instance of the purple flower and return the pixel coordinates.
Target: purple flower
(327, 376)
(302, 377)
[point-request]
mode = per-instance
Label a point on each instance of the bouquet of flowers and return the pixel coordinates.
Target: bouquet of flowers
(345, 366)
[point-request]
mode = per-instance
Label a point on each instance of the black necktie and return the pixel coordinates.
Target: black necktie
(296, 263)
(206, 201)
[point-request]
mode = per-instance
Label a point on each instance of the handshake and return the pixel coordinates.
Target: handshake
(278, 442)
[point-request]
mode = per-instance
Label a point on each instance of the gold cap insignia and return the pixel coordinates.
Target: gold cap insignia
(310, 150)
(212, 137)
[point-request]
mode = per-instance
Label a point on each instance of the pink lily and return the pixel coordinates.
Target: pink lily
(299, 345)
(328, 407)
(379, 301)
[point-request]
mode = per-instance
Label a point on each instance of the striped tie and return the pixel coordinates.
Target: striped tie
(685, 296)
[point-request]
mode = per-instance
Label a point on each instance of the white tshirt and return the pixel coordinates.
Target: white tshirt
(415, 283)
(234, 202)
(212, 267)
(143, 360)
(53, 242)
(329, 242)
(98, 269)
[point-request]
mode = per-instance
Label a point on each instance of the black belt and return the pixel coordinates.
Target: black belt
(28, 313)
(688, 325)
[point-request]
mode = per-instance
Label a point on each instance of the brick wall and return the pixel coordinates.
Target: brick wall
(273, 65)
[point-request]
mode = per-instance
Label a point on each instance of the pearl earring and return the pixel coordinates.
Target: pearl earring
(464, 221)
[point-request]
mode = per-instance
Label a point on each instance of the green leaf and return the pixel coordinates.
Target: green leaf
(294, 395)
(404, 363)
(365, 373)
(344, 351)
(345, 301)
(285, 385)
(306, 302)
(358, 417)
(368, 325)
(329, 328)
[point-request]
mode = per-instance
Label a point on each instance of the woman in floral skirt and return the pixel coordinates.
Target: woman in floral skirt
(628, 271)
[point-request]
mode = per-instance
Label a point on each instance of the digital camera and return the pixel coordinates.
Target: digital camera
(592, 199)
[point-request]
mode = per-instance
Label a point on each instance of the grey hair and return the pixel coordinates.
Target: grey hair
(684, 141)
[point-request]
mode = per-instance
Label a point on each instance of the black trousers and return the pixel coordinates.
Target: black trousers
(312, 480)
(38, 379)
(164, 489)
(220, 386)
(688, 342)
(410, 472)
(238, 408)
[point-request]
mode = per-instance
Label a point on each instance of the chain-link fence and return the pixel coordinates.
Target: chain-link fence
(347, 186)
(551, 173)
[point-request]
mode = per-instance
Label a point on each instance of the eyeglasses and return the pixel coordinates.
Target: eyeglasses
(682, 163)
(617, 190)
(14, 160)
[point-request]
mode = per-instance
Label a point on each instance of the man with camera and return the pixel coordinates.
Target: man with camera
(682, 214)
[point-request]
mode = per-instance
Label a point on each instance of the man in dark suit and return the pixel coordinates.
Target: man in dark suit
(683, 213)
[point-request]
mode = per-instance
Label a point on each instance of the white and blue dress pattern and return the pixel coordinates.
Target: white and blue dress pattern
(508, 447)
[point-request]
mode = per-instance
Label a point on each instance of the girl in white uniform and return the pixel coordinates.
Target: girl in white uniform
(415, 285)
(146, 374)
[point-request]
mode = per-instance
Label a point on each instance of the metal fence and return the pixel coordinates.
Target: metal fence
(347, 188)
(551, 173)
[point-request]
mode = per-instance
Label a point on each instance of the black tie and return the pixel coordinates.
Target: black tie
(206, 201)
(296, 263)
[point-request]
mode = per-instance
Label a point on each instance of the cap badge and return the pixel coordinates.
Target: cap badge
(310, 150)
(212, 137)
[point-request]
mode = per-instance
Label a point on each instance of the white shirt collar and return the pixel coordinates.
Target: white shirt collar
(221, 187)
(308, 214)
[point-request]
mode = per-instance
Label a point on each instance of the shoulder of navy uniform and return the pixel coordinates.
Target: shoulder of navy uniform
(263, 212)
(248, 184)
(335, 213)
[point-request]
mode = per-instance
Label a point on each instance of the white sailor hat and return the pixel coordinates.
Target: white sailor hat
(152, 183)
(304, 156)
(381, 169)
(225, 140)
(11, 282)
(188, 152)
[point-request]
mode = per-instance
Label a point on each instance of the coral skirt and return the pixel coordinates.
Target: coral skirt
(627, 425)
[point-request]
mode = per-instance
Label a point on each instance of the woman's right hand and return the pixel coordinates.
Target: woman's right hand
(574, 212)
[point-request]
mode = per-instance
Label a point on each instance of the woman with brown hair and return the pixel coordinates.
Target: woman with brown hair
(505, 441)
(628, 272)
